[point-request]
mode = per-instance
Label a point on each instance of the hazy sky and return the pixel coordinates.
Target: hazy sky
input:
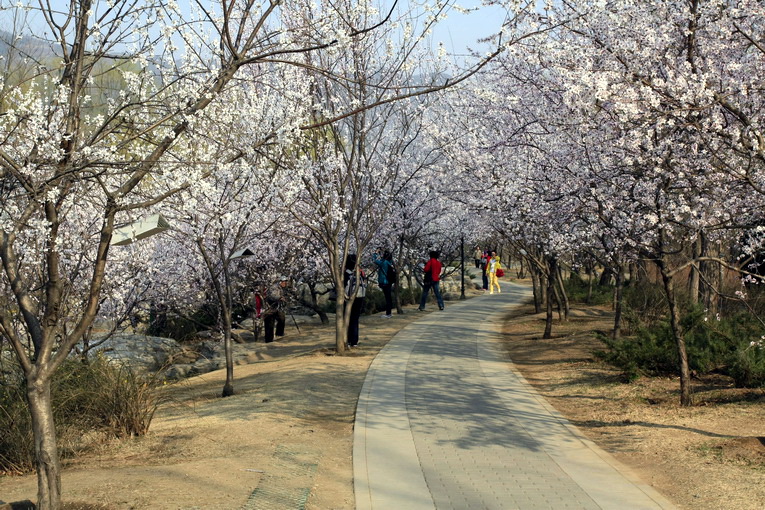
(457, 32)
(460, 31)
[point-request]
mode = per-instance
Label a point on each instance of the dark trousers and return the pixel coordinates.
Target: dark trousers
(436, 292)
(353, 322)
(485, 280)
(268, 320)
(387, 292)
(477, 263)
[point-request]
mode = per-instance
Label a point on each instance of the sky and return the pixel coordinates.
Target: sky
(460, 31)
(457, 32)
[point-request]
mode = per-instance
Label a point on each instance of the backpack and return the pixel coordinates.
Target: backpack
(350, 286)
(390, 275)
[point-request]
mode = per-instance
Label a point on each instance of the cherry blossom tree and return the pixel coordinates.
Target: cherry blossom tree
(629, 131)
(76, 161)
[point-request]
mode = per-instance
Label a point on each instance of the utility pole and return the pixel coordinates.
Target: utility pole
(462, 254)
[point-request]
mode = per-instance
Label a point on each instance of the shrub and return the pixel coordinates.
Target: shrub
(644, 302)
(647, 353)
(410, 296)
(374, 300)
(747, 367)
(16, 441)
(97, 396)
(578, 291)
(125, 401)
(726, 345)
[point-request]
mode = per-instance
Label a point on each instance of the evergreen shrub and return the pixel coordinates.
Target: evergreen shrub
(747, 367)
(731, 346)
(578, 290)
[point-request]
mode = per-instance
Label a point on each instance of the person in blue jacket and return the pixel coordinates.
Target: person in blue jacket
(384, 266)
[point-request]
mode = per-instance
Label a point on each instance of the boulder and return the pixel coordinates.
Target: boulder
(139, 352)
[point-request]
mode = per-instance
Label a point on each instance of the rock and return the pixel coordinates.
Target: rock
(210, 349)
(176, 372)
(139, 352)
(209, 335)
(178, 361)
(241, 336)
(185, 356)
(202, 367)
(246, 324)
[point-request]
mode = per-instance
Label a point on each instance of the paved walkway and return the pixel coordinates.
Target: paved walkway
(443, 423)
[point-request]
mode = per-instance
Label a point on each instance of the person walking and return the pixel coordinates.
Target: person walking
(276, 304)
(350, 285)
(491, 271)
(477, 255)
(256, 311)
(484, 265)
(431, 280)
(385, 277)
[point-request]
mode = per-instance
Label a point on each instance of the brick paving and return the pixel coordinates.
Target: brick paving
(444, 423)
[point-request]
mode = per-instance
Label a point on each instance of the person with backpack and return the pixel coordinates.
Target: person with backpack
(276, 304)
(431, 280)
(386, 277)
(484, 266)
(355, 290)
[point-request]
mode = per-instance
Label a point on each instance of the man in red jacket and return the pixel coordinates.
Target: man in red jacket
(431, 279)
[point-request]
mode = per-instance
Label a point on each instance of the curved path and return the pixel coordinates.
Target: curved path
(442, 422)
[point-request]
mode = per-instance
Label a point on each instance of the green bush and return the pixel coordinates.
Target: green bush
(578, 291)
(644, 302)
(410, 296)
(97, 396)
(747, 367)
(726, 345)
(648, 353)
(374, 300)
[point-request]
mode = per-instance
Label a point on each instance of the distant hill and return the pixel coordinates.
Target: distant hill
(27, 45)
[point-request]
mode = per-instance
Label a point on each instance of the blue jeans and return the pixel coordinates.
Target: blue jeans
(436, 291)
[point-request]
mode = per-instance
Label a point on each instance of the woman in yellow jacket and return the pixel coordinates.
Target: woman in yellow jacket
(491, 272)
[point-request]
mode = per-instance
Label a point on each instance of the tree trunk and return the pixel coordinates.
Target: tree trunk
(558, 302)
(694, 280)
(710, 284)
(563, 294)
(686, 398)
(634, 275)
(551, 275)
(313, 303)
(616, 333)
(228, 387)
(396, 287)
(537, 291)
(549, 310)
(46, 450)
(342, 318)
(521, 266)
(605, 277)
